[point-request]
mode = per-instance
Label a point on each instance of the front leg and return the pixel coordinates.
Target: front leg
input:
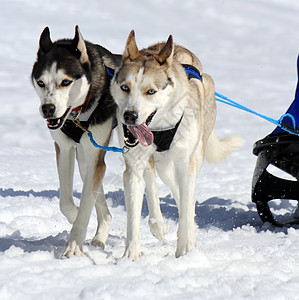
(134, 190)
(65, 159)
(102, 210)
(78, 231)
(186, 227)
(156, 223)
(92, 189)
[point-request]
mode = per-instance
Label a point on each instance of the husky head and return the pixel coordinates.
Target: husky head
(60, 76)
(141, 86)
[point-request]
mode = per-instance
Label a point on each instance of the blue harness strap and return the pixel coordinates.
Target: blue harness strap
(109, 73)
(192, 72)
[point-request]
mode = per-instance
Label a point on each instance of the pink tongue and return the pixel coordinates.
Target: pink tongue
(143, 134)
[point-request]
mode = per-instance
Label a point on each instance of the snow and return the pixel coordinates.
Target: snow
(250, 49)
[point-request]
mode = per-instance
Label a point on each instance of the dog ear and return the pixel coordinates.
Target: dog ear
(80, 46)
(166, 53)
(45, 43)
(131, 51)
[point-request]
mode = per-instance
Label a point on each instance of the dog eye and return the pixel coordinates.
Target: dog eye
(65, 82)
(125, 88)
(40, 83)
(151, 92)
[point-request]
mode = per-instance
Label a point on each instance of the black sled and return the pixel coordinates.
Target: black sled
(280, 149)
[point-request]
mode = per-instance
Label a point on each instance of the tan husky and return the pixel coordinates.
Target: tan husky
(167, 109)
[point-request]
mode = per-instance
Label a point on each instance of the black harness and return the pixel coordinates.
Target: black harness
(164, 138)
(74, 132)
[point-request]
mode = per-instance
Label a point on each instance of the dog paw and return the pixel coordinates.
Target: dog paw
(98, 242)
(72, 248)
(158, 229)
(132, 252)
(101, 235)
(186, 241)
(184, 249)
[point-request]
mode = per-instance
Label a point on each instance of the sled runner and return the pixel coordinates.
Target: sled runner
(280, 149)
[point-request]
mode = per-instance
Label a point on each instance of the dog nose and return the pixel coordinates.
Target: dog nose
(48, 110)
(130, 117)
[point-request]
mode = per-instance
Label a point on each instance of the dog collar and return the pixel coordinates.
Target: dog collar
(69, 128)
(82, 107)
(74, 132)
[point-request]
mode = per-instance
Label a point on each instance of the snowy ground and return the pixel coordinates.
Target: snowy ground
(250, 49)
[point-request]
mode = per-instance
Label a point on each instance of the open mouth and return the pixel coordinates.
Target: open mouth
(139, 134)
(54, 124)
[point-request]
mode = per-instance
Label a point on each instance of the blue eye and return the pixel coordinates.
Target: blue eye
(65, 82)
(125, 88)
(41, 83)
(151, 92)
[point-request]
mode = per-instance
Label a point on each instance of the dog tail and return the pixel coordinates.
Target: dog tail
(217, 150)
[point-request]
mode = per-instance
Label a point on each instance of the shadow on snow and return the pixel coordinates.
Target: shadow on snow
(213, 212)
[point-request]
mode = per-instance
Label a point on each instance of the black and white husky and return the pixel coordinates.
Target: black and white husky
(72, 79)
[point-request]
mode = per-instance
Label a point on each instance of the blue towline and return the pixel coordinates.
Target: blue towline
(278, 123)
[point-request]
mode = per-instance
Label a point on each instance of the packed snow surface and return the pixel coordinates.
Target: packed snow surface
(250, 49)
